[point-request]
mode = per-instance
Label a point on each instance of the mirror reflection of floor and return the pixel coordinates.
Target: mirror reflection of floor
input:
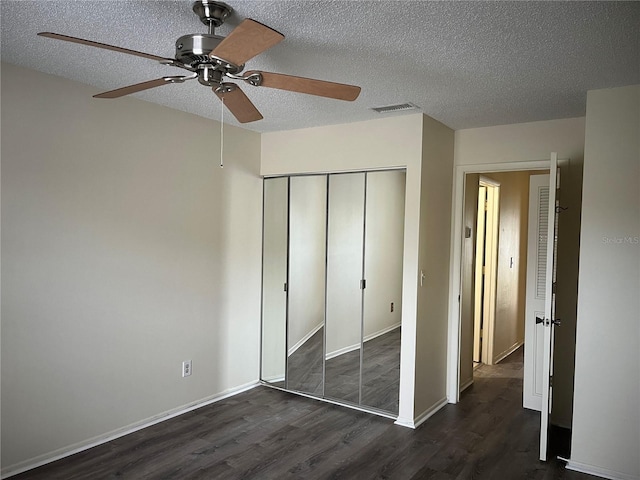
(380, 371)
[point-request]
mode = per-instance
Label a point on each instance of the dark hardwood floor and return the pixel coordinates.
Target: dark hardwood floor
(380, 372)
(270, 434)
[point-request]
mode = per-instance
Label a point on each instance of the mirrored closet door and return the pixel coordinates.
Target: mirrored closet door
(307, 233)
(332, 286)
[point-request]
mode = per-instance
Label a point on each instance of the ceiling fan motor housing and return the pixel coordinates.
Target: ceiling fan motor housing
(195, 50)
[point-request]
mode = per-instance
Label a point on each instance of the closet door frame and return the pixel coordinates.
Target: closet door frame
(359, 406)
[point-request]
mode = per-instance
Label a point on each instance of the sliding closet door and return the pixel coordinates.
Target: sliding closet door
(332, 286)
(274, 277)
(384, 247)
(344, 296)
(307, 260)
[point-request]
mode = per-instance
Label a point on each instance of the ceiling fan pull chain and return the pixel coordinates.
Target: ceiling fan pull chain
(222, 133)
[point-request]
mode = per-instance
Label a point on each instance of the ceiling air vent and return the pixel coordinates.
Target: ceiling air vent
(401, 107)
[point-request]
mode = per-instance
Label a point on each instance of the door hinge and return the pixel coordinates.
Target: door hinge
(551, 381)
(553, 287)
(285, 286)
(363, 284)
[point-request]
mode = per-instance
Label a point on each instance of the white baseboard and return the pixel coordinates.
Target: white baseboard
(599, 471)
(120, 432)
(274, 379)
(507, 352)
(373, 335)
(372, 411)
(342, 351)
(405, 422)
(423, 417)
(304, 339)
(355, 346)
(466, 385)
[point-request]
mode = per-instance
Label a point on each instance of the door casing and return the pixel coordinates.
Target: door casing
(455, 285)
(486, 270)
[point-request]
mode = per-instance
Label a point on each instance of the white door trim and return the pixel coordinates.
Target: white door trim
(486, 279)
(455, 262)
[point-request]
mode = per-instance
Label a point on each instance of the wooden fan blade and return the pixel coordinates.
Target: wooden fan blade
(246, 41)
(239, 105)
(311, 86)
(91, 43)
(138, 87)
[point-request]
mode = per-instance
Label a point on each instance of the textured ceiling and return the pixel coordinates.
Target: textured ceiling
(466, 64)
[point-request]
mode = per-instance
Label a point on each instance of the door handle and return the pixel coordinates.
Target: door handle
(557, 322)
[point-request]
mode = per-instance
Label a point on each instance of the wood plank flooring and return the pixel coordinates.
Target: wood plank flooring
(270, 434)
(380, 372)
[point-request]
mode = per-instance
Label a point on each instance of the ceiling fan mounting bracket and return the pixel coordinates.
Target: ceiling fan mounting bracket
(254, 78)
(211, 13)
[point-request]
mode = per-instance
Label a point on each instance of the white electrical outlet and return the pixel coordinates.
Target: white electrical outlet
(186, 368)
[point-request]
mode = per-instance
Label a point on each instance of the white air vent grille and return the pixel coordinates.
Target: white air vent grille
(395, 108)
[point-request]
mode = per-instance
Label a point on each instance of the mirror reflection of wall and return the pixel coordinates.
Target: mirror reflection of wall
(274, 277)
(345, 243)
(383, 295)
(342, 340)
(307, 233)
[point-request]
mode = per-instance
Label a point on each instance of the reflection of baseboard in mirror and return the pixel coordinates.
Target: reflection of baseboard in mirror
(356, 346)
(342, 351)
(304, 339)
(371, 336)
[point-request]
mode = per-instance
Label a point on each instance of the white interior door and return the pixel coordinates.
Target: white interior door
(549, 321)
(540, 296)
(535, 290)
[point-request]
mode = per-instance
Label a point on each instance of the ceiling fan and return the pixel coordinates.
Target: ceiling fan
(211, 58)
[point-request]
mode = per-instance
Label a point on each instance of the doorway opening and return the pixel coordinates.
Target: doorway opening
(461, 346)
(486, 256)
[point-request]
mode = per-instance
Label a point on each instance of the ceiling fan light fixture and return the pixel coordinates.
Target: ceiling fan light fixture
(396, 108)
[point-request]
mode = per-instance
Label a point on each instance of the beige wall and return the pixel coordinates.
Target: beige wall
(433, 295)
(383, 251)
(125, 250)
(534, 141)
(410, 141)
(307, 240)
(520, 142)
(606, 422)
(274, 277)
(508, 332)
(388, 142)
